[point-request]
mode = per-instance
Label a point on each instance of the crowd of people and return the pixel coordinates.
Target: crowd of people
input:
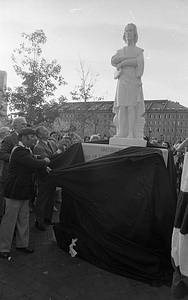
(178, 149)
(95, 137)
(23, 151)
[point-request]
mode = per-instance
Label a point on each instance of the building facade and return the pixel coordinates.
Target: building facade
(88, 117)
(164, 119)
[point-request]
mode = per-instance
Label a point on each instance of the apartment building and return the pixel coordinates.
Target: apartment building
(164, 119)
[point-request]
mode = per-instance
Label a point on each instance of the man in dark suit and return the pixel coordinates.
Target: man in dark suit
(17, 191)
(7, 145)
(46, 192)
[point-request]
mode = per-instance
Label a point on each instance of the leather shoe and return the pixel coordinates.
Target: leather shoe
(4, 254)
(26, 249)
(40, 226)
(50, 222)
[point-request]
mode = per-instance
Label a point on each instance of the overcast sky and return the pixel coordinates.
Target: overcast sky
(92, 30)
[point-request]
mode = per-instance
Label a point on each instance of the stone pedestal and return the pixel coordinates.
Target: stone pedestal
(94, 151)
(118, 141)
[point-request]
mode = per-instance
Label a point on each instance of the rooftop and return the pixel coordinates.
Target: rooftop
(108, 105)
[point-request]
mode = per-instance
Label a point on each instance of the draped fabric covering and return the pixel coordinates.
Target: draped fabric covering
(180, 238)
(120, 208)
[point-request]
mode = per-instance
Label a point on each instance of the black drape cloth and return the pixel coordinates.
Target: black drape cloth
(170, 168)
(73, 155)
(121, 209)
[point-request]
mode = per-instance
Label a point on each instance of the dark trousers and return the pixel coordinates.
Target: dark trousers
(2, 199)
(45, 201)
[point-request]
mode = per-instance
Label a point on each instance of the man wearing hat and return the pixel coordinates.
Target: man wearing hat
(17, 191)
(7, 144)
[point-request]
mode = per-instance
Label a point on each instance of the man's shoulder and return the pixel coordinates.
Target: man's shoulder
(19, 152)
(19, 149)
(11, 137)
(40, 148)
(8, 143)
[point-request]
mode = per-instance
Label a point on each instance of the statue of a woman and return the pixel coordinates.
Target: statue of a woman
(129, 101)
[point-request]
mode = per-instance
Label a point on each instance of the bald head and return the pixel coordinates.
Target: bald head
(19, 123)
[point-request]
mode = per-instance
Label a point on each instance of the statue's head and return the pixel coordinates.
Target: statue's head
(134, 30)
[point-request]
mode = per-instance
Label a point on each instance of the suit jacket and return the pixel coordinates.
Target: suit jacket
(53, 144)
(20, 173)
(7, 145)
(43, 150)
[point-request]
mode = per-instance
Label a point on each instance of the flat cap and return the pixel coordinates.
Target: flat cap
(26, 131)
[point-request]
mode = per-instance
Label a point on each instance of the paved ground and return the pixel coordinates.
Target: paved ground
(50, 273)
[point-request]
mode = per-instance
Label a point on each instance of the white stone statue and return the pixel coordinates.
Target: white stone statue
(129, 101)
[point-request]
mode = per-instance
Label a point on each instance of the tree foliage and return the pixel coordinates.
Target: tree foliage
(39, 79)
(85, 90)
(3, 105)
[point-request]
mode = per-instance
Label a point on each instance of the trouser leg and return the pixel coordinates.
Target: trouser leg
(44, 202)
(22, 232)
(48, 212)
(8, 223)
(2, 199)
(41, 202)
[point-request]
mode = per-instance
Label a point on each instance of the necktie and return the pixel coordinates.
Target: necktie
(50, 147)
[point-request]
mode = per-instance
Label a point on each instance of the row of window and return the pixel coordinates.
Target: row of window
(178, 130)
(170, 123)
(151, 116)
(102, 122)
(168, 116)
(69, 115)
